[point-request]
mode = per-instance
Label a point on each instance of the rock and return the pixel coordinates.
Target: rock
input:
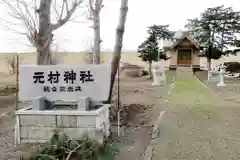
(130, 148)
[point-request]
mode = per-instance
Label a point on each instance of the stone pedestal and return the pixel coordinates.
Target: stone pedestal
(213, 76)
(221, 78)
(158, 77)
(34, 126)
(209, 76)
(156, 81)
(39, 103)
(83, 103)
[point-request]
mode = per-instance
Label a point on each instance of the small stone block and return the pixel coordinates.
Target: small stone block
(83, 104)
(213, 76)
(38, 103)
(36, 133)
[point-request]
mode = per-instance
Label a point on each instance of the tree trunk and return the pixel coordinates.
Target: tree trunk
(95, 9)
(118, 45)
(44, 37)
(97, 39)
(150, 68)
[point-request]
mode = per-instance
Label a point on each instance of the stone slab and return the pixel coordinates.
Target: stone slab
(42, 81)
(214, 77)
(76, 121)
(37, 120)
(43, 134)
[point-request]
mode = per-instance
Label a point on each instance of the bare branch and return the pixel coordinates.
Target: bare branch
(69, 12)
(88, 51)
(88, 14)
(54, 4)
(36, 22)
(7, 26)
(71, 152)
(91, 6)
(21, 13)
(94, 8)
(63, 5)
(98, 5)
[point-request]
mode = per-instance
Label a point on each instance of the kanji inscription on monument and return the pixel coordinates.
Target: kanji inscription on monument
(57, 81)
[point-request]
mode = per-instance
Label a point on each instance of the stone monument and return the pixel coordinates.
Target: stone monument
(213, 75)
(68, 99)
(221, 75)
(159, 77)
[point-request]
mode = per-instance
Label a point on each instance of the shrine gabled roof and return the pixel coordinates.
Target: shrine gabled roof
(191, 40)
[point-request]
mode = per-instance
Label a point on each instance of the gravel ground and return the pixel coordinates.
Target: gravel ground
(7, 122)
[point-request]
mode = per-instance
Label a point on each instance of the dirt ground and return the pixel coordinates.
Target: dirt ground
(136, 94)
(7, 122)
(136, 137)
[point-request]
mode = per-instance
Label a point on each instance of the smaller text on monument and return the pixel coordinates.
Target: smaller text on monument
(68, 83)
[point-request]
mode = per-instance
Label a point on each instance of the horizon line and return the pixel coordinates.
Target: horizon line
(67, 52)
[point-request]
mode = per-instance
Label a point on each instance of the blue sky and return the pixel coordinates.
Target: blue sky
(73, 36)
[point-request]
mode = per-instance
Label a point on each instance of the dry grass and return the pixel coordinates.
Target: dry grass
(79, 58)
(198, 125)
(70, 59)
(228, 93)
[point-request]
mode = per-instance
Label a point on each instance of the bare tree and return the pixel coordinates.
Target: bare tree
(56, 57)
(95, 7)
(89, 51)
(12, 63)
(36, 16)
(118, 44)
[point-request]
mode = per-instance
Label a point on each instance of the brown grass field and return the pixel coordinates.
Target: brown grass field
(80, 58)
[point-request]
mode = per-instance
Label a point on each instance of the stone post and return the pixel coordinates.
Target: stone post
(158, 77)
(221, 79)
(156, 80)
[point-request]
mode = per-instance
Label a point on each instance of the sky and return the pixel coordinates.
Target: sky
(75, 36)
